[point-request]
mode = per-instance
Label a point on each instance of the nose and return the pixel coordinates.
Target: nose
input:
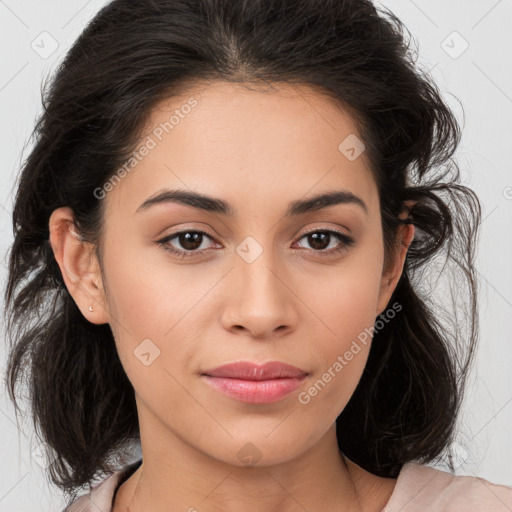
(260, 300)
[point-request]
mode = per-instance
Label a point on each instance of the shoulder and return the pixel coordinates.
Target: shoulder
(421, 488)
(100, 496)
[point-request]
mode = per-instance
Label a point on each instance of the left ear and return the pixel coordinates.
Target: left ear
(391, 276)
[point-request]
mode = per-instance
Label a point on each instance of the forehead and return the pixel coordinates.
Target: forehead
(226, 139)
(252, 106)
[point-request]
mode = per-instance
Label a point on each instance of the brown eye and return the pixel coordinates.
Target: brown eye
(188, 243)
(320, 239)
(190, 240)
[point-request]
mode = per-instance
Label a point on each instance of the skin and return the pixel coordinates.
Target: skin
(258, 150)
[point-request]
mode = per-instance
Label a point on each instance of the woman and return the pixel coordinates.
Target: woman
(200, 166)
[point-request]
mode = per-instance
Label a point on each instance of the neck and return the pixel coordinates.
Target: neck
(182, 478)
(178, 476)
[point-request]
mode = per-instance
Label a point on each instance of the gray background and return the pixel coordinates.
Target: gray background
(480, 76)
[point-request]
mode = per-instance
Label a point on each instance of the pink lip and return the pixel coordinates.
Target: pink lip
(252, 383)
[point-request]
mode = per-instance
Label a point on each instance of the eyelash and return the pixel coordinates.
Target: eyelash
(346, 240)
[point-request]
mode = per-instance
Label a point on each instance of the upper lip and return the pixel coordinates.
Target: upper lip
(252, 371)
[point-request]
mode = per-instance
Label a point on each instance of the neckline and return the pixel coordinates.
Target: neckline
(128, 471)
(401, 485)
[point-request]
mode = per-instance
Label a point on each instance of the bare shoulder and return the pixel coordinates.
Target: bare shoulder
(424, 488)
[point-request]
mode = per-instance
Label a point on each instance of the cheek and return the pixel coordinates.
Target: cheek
(148, 296)
(349, 316)
(153, 309)
(347, 297)
(346, 305)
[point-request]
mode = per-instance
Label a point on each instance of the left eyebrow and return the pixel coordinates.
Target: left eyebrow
(215, 205)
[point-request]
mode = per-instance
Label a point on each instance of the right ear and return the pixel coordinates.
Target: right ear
(79, 266)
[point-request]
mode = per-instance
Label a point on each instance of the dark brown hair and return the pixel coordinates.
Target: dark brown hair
(135, 53)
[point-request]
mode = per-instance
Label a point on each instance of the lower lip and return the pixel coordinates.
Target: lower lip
(255, 391)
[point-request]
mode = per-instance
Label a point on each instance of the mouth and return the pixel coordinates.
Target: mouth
(255, 391)
(247, 370)
(252, 383)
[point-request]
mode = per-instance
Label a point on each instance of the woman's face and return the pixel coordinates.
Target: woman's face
(256, 287)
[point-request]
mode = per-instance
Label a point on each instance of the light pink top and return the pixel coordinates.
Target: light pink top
(418, 488)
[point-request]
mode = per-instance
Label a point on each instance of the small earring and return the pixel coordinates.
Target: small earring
(90, 308)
